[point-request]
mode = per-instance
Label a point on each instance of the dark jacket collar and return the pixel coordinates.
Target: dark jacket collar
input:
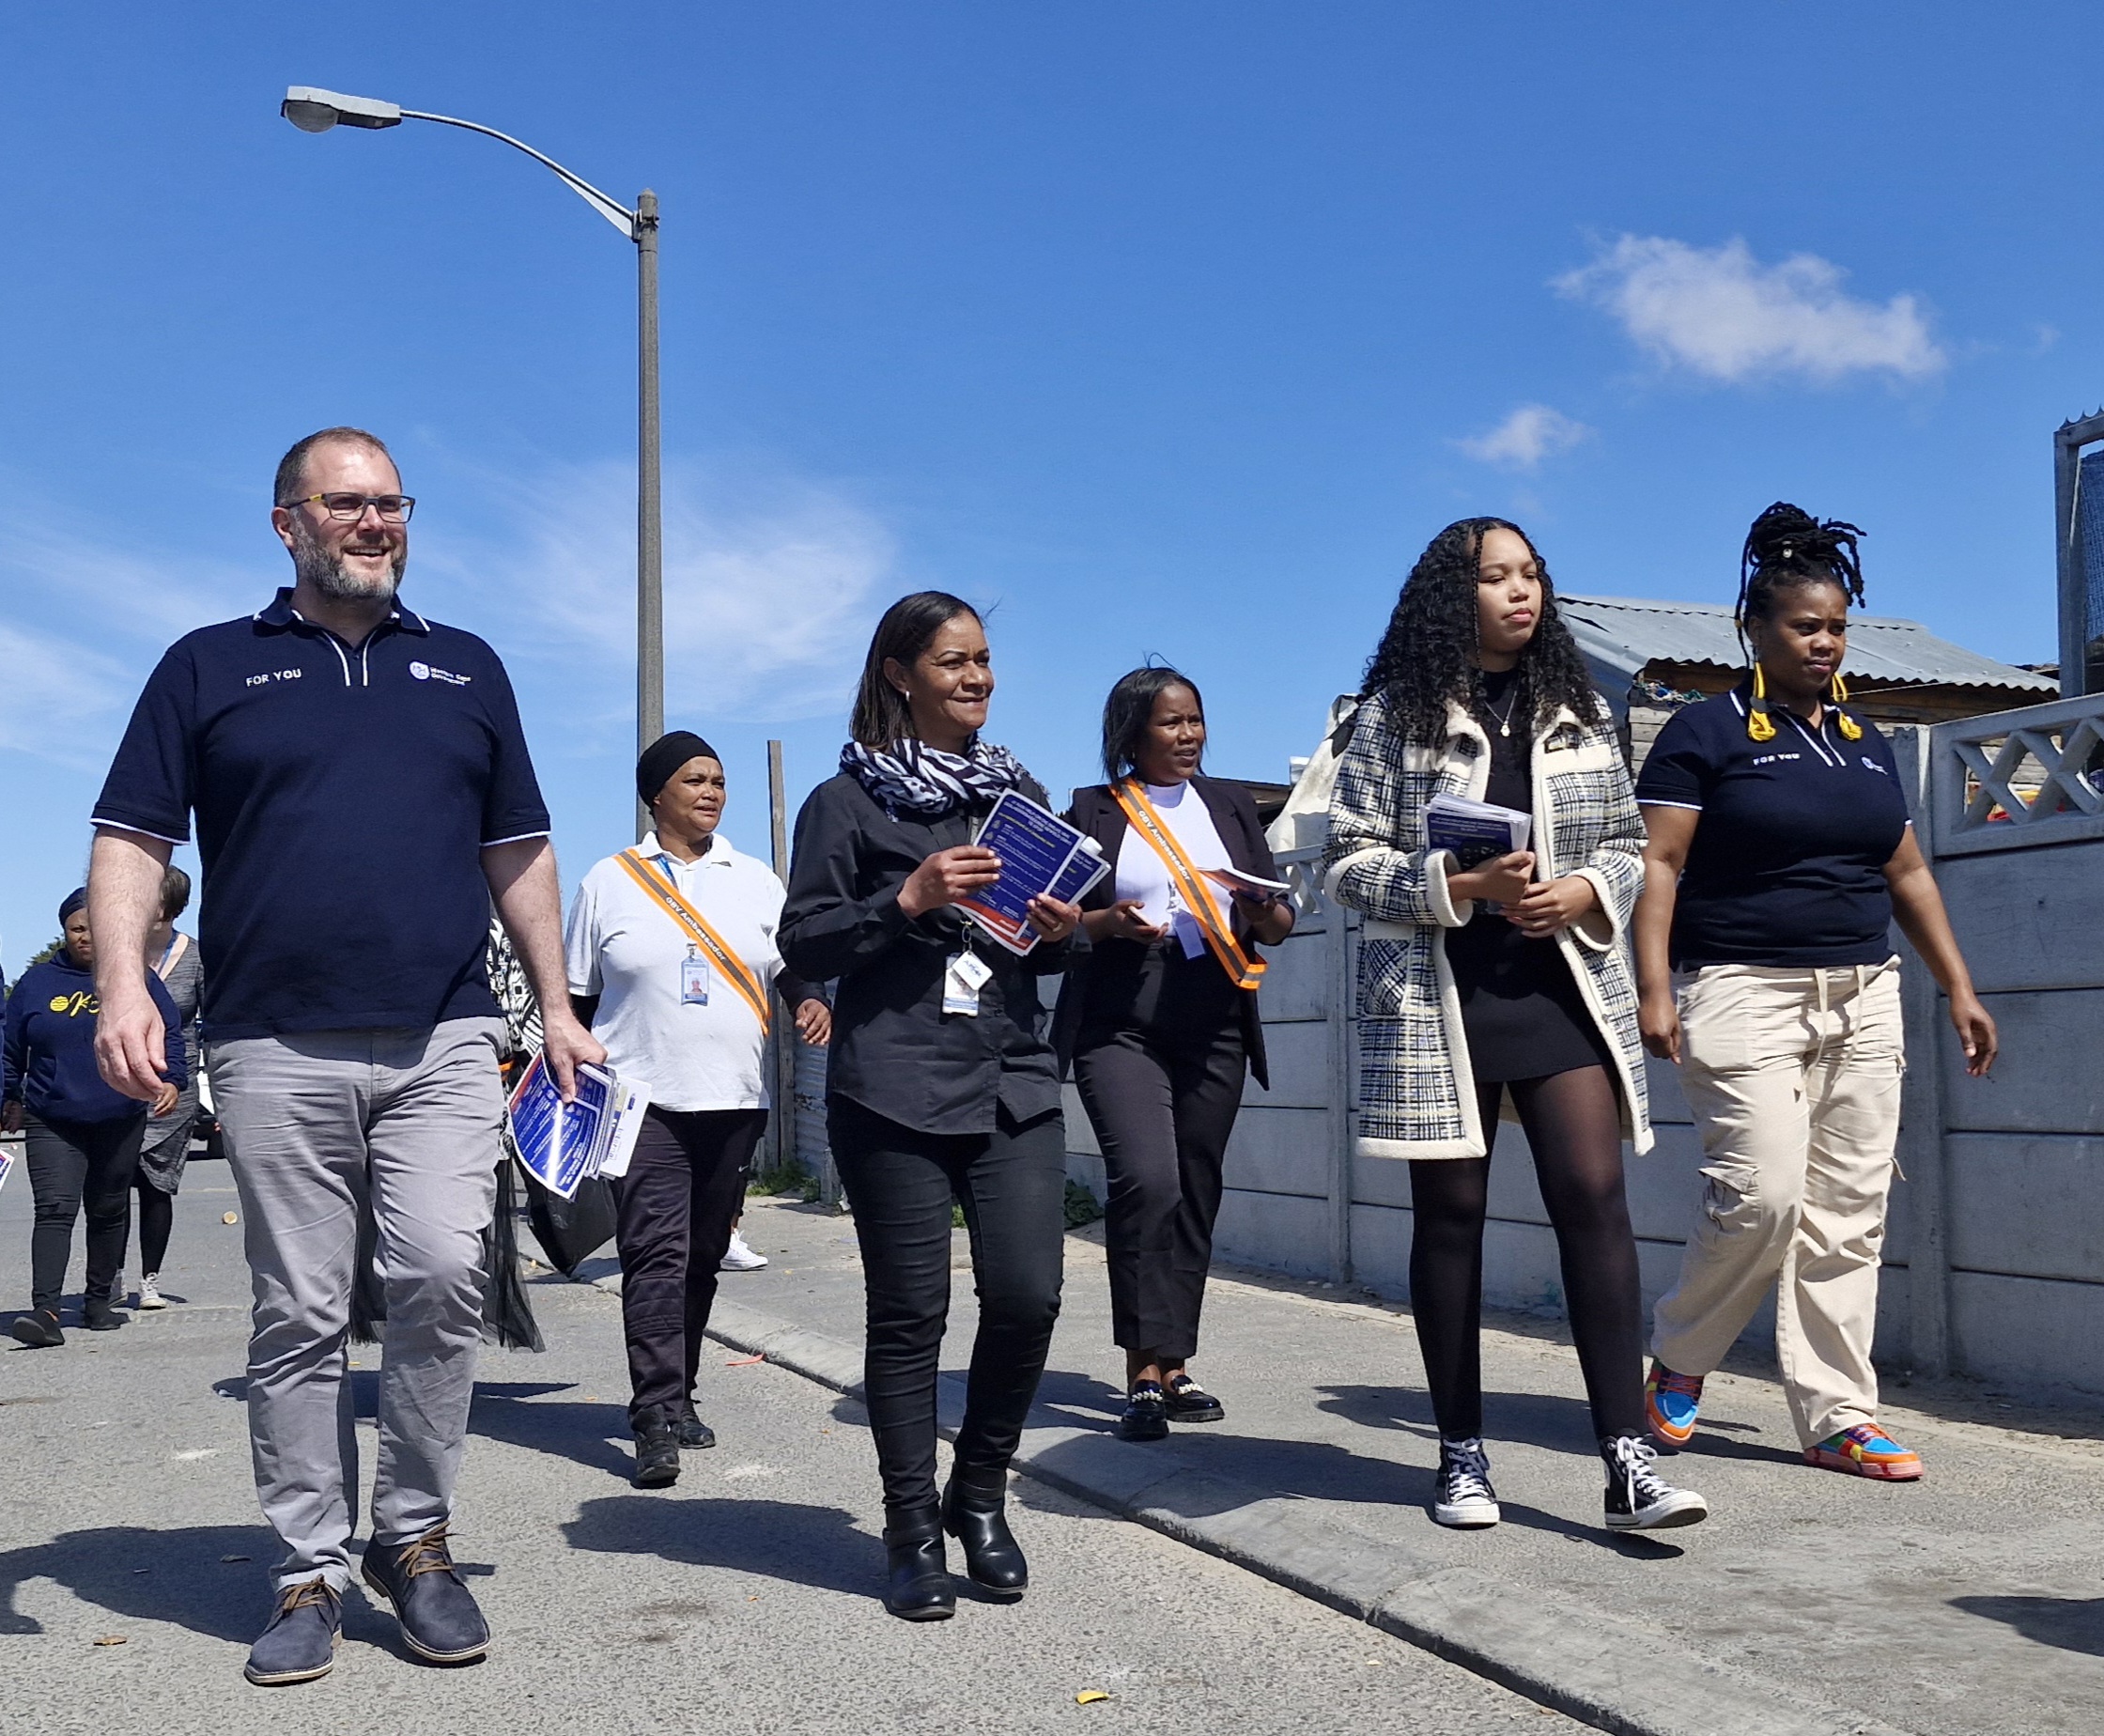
(280, 615)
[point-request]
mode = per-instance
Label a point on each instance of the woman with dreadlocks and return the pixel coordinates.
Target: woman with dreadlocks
(1780, 853)
(1508, 979)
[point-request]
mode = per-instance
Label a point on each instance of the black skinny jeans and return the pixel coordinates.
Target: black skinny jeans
(673, 1214)
(1162, 1088)
(900, 1181)
(72, 1164)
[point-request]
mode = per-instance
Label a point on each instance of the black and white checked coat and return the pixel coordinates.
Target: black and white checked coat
(1417, 1094)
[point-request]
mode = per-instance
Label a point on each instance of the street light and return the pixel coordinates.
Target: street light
(316, 111)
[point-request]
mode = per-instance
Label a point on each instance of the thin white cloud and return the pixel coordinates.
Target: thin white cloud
(58, 698)
(771, 585)
(1530, 434)
(1720, 312)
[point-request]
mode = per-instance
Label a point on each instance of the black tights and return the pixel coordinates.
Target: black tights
(1573, 1123)
(157, 1222)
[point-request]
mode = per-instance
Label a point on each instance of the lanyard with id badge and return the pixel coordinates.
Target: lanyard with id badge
(963, 977)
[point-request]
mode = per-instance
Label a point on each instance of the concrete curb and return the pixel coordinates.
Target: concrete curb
(1612, 1674)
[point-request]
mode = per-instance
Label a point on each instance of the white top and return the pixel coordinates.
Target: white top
(624, 948)
(1144, 875)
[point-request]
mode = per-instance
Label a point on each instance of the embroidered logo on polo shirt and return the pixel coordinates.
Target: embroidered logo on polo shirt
(1874, 765)
(1770, 759)
(427, 672)
(270, 676)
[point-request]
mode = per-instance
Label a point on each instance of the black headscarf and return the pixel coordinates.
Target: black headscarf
(666, 755)
(74, 900)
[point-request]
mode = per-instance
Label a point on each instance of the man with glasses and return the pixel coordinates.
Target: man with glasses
(363, 793)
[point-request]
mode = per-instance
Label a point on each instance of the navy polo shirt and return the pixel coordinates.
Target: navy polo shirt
(1788, 864)
(343, 794)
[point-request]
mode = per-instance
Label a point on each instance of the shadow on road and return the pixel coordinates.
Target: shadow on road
(2070, 1623)
(179, 1576)
(816, 1546)
(584, 1430)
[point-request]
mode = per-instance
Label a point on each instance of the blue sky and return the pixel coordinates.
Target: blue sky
(1172, 330)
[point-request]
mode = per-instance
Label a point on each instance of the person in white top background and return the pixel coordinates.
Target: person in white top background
(673, 964)
(1158, 1021)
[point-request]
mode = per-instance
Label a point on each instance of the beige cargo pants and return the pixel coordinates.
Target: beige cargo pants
(1793, 1075)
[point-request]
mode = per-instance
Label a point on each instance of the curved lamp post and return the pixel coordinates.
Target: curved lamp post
(316, 111)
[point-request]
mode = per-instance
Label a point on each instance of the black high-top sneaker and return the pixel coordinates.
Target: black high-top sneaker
(1465, 1497)
(1638, 1498)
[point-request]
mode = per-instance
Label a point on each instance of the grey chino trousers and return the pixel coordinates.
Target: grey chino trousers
(317, 1125)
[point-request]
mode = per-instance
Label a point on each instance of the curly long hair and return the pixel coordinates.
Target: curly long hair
(1425, 661)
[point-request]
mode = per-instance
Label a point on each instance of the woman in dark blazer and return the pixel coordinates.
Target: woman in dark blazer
(1159, 1019)
(940, 1083)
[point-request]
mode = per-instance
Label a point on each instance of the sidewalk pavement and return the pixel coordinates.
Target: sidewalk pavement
(1810, 1603)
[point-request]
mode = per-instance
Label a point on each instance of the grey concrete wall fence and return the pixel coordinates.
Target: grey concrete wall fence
(1995, 1256)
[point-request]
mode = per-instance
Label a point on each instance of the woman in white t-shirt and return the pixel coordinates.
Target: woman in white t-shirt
(1159, 1020)
(673, 964)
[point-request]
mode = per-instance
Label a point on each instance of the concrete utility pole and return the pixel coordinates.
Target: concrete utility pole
(2079, 630)
(312, 110)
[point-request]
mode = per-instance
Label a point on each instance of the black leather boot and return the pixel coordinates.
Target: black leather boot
(917, 1587)
(971, 1513)
(657, 1448)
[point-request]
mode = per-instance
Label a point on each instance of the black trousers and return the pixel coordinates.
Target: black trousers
(673, 1212)
(73, 1164)
(900, 1181)
(1163, 1100)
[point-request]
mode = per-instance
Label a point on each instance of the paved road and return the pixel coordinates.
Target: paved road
(1964, 1604)
(740, 1600)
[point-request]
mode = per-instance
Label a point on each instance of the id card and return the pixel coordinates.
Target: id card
(962, 979)
(693, 981)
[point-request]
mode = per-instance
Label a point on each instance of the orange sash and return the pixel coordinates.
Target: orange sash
(1242, 970)
(732, 969)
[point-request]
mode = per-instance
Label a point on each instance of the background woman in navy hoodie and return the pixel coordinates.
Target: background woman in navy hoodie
(82, 1137)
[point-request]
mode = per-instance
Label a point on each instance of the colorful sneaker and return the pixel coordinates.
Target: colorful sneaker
(1464, 1498)
(1638, 1498)
(1670, 1404)
(1865, 1450)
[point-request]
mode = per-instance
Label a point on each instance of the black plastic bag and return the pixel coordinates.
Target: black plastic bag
(507, 1314)
(570, 1232)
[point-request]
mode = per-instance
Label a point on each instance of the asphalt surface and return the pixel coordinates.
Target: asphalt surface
(1967, 1602)
(743, 1598)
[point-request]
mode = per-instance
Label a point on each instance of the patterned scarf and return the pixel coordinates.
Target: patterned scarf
(910, 777)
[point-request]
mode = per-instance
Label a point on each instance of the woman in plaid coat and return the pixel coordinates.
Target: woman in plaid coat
(1503, 980)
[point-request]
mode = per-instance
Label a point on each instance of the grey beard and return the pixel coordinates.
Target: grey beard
(312, 565)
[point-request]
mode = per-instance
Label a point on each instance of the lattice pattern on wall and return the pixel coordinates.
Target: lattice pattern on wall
(2018, 778)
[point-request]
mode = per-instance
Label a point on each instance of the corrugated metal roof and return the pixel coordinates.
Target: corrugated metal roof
(1621, 634)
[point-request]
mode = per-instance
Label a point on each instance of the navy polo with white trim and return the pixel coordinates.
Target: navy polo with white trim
(344, 795)
(1788, 864)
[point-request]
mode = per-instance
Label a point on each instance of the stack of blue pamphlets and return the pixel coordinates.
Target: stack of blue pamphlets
(1040, 854)
(563, 1144)
(1475, 831)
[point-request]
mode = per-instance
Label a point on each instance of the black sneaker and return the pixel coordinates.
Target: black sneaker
(300, 1643)
(1638, 1498)
(1146, 1415)
(39, 1329)
(441, 1620)
(99, 1316)
(657, 1448)
(1463, 1496)
(691, 1429)
(1189, 1402)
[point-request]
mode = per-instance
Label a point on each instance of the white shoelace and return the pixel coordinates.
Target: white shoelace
(1465, 1471)
(1632, 1459)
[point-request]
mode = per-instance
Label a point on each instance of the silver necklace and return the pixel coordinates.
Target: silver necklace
(1511, 705)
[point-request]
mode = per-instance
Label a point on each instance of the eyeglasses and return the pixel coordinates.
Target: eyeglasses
(392, 508)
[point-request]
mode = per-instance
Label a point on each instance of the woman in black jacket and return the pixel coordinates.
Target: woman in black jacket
(941, 1084)
(1159, 1019)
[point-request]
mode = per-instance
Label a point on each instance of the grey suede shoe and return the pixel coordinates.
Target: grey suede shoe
(300, 1644)
(441, 1620)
